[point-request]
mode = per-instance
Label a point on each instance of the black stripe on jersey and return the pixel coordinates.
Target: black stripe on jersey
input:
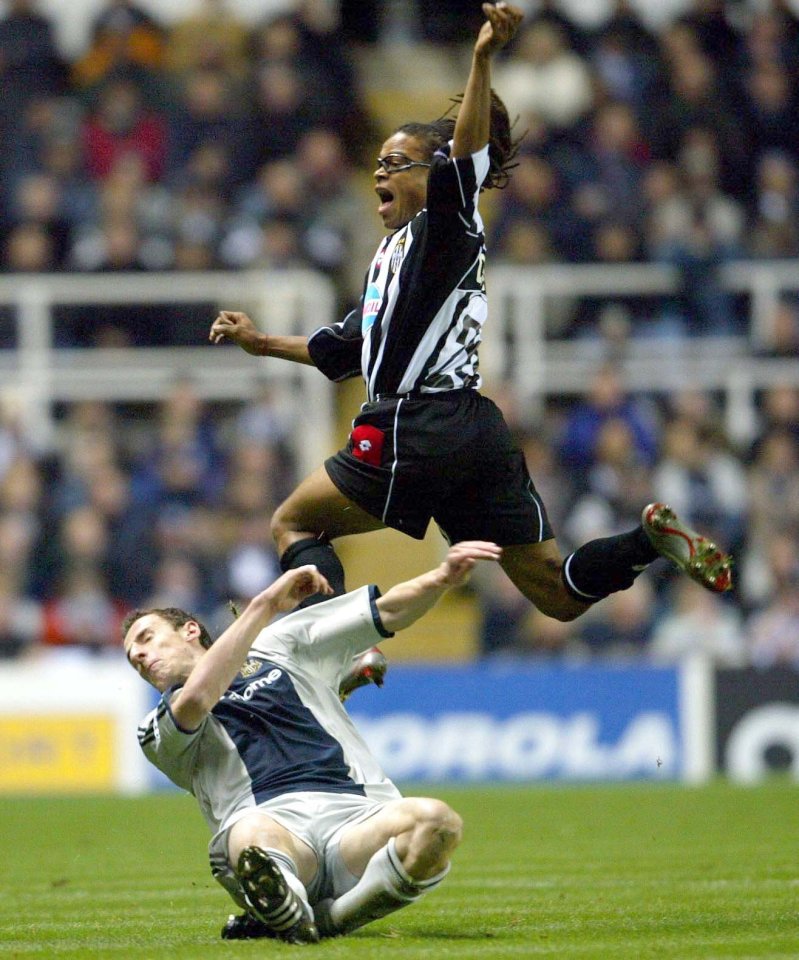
(437, 261)
(429, 275)
(376, 342)
(460, 187)
(436, 352)
(146, 732)
(374, 596)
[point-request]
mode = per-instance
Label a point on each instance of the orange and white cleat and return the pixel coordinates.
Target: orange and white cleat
(697, 557)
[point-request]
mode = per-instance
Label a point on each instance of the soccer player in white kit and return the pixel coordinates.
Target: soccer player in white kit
(309, 836)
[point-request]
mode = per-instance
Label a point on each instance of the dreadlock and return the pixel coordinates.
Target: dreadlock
(502, 147)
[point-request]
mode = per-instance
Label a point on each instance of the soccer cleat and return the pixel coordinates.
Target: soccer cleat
(688, 550)
(324, 922)
(369, 667)
(245, 926)
(272, 900)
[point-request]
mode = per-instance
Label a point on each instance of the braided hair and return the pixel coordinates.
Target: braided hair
(502, 147)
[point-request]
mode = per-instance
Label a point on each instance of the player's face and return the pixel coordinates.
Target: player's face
(402, 192)
(160, 653)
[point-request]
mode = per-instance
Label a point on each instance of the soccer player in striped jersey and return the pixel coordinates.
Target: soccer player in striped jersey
(309, 835)
(427, 444)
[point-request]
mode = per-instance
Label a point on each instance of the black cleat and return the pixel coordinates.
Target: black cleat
(245, 926)
(368, 667)
(272, 900)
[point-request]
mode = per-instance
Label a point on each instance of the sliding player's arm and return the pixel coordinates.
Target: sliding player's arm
(405, 603)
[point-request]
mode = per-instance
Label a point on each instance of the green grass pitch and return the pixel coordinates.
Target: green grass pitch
(625, 871)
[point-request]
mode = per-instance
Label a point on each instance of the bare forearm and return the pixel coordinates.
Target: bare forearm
(236, 327)
(287, 348)
(406, 602)
(215, 671)
(473, 124)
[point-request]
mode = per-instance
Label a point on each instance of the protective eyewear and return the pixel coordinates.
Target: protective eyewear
(397, 162)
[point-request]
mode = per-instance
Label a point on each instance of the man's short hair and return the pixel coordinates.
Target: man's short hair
(174, 616)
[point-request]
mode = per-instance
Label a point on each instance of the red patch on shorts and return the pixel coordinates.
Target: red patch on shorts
(367, 444)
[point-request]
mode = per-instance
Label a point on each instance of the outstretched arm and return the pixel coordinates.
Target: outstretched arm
(215, 670)
(239, 328)
(403, 604)
(474, 116)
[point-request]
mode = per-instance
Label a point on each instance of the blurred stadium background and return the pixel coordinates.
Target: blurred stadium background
(165, 160)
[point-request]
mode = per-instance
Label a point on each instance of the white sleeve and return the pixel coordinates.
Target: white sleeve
(328, 634)
(169, 747)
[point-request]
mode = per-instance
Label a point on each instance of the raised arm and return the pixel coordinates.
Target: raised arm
(215, 670)
(239, 328)
(474, 116)
(403, 604)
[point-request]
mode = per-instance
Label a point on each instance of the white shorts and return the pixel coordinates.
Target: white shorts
(318, 819)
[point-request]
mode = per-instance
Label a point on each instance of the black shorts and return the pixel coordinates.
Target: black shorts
(449, 456)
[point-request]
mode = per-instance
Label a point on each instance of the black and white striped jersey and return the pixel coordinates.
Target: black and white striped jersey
(424, 301)
(279, 728)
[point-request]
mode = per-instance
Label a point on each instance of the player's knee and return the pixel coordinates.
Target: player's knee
(285, 527)
(279, 525)
(438, 826)
(254, 831)
(553, 599)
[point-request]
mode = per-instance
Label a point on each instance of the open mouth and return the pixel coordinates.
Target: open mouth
(385, 197)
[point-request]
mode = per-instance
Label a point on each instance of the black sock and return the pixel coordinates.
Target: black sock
(319, 551)
(601, 567)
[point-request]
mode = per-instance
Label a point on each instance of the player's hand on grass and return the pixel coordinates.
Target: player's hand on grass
(462, 557)
(295, 586)
(238, 328)
(500, 27)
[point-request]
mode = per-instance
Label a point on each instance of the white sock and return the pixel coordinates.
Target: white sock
(385, 886)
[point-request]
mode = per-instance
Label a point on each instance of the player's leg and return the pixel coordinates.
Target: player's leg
(397, 856)
(536, 570)
(564, 590)
(310, 517)
(272, 867)
(497, 501)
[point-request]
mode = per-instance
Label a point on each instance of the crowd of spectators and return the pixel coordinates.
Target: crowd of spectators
(208, 144)
(597, 462)
(204, 144)
(680, 147)
(169, 504)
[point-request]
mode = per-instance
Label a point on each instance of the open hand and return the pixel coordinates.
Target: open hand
(500, 27)
(463, 556)
(295, 585)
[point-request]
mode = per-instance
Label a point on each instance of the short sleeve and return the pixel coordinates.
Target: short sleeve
(336, 349)
(166, 745)
(453, 190)
(327, 635)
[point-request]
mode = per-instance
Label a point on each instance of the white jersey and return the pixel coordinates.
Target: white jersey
(280, 727)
